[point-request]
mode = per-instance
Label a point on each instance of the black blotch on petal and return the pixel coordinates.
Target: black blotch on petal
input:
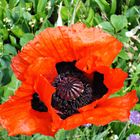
(37, 104)
(98, 86)
(64, 67)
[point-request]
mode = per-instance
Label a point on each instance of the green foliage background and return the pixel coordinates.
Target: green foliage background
(21, 20)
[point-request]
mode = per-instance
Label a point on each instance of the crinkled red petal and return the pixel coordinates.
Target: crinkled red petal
(18, 117)
(113, 80)
(67, 44)
(110, 110)
(44, 89)
(42, 66)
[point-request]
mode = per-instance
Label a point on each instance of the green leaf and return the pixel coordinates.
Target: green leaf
(97, 19)
(45, 24)
(123, 55)
(61, 135)
(50, 10)
(13, 40)
(11, 87)
(1, 93)
(1, 24)
(27, 16)
(117, 127)
(7, 14)
(17, 31)
(101, 135)
(1, 13)
(4, 33)
(26, 38)
(123, 132)
(5, 76)
(122, 37)
(138, 69)
(28, 5)
(41, 137)
(41, 5)
(3, 3)
(67, 3)
(76, 7)
(9, 50)
(16, 13)
(13, 3)
(4, 61)
(89, 20)
(133, 129)
(5, 71)
(104, 5)
(65, 13)
(1, 76)
(133, 14)
(25, 26)
(113, 6)
(107, 26)
(137, 107)
(119, 22)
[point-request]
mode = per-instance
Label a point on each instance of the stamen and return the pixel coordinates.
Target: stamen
(37, 104)
(70, 88)
(73, 89)
(72, 92)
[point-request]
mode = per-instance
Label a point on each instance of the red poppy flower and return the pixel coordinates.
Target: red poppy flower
(74, 61)
(91, 106)
(25, 113)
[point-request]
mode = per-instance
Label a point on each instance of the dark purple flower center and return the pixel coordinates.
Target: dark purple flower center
(74, 90)
(69, 88)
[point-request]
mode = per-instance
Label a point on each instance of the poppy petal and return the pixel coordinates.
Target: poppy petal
(18, 117)
(68, 44)
(19, 66)
(58, 43)
(95, 42)
(52, 42)
(117, 78)
(44, 89)
(110, 110)
(44, 66)
(88, 63)
(113, 78)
